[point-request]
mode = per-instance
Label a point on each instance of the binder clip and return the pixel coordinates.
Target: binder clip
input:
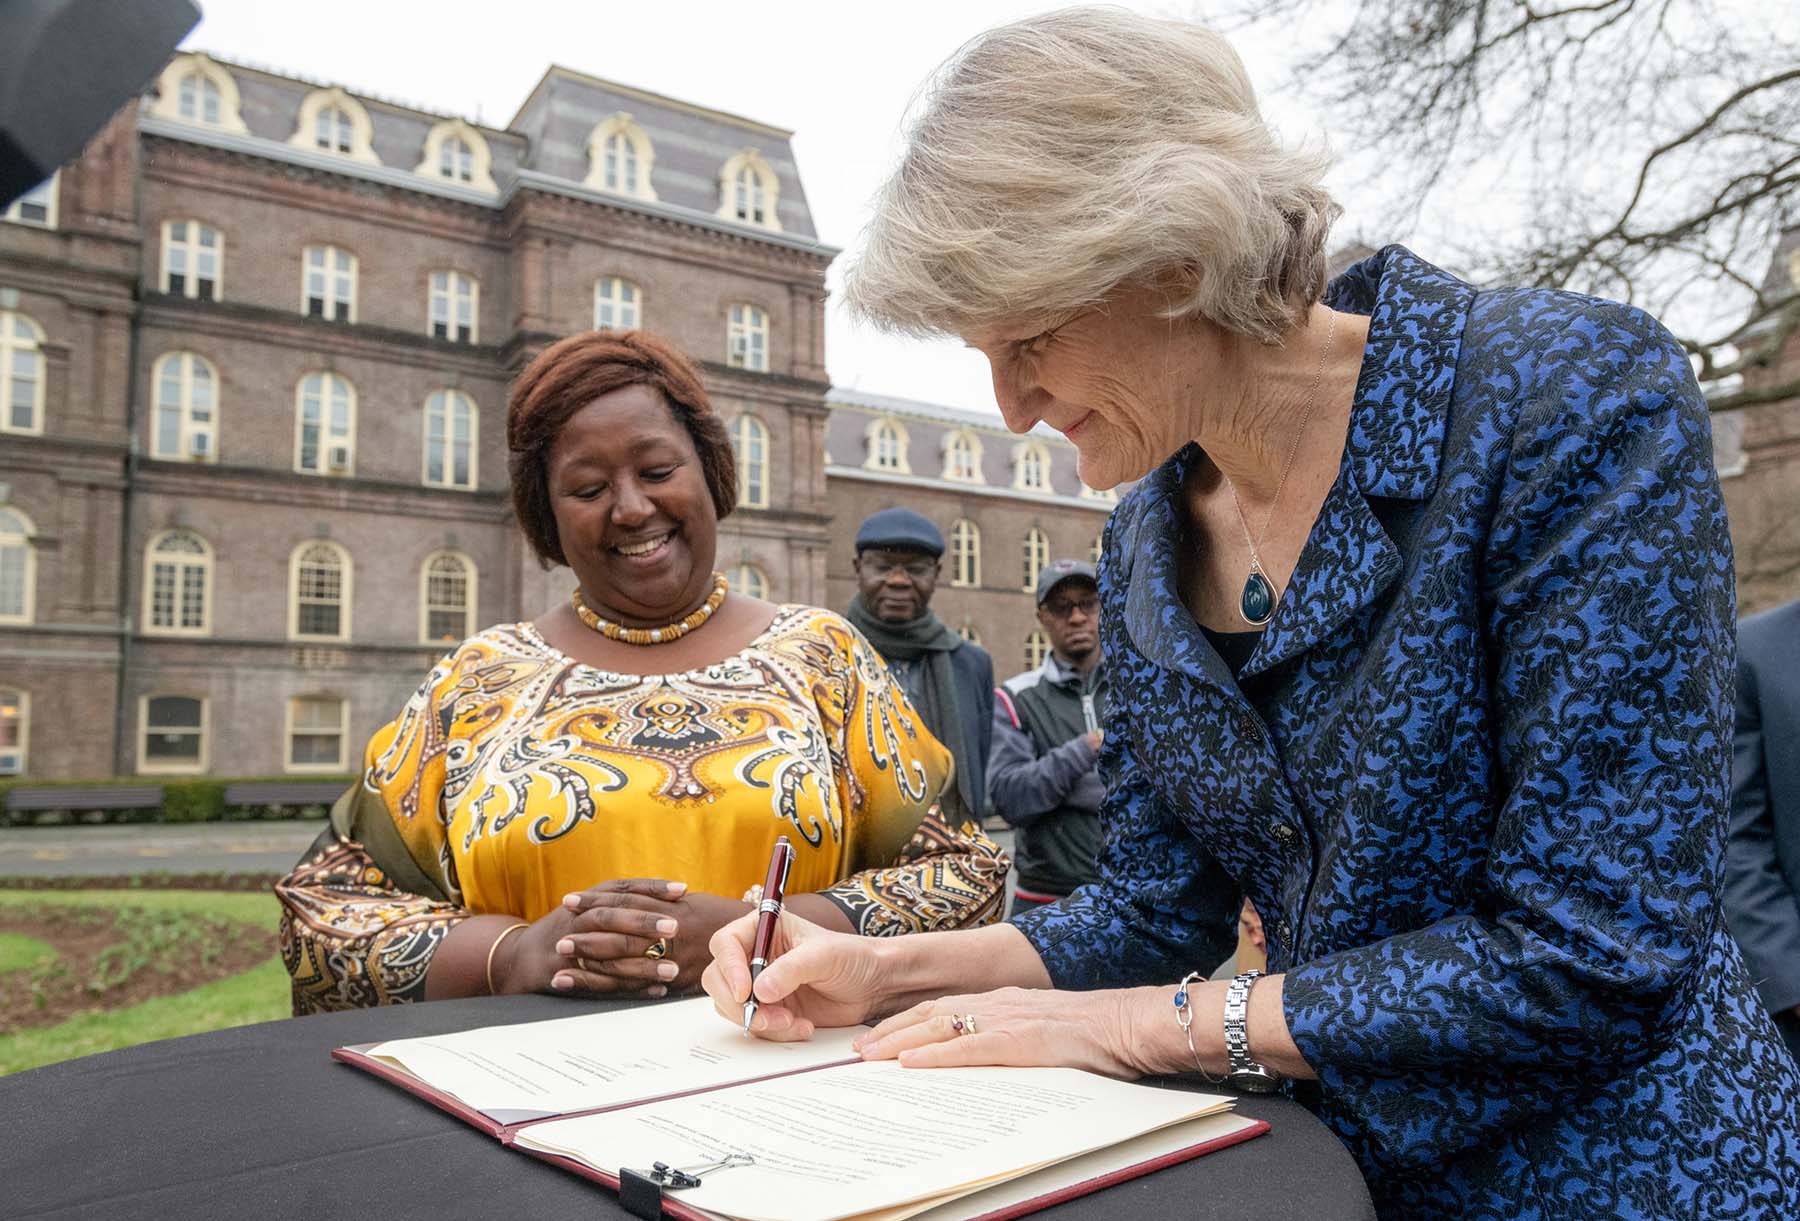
(641, 1191)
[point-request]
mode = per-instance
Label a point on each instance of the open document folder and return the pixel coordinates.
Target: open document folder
(826, 1135)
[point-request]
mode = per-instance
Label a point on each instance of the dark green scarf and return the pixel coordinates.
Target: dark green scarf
(927, 638)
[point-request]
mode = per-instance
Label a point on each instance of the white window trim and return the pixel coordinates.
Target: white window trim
(618, 303)
(756, 322)
(1101, 495)
(185, 444)
(325, 438)
(967, 632)
(449, 445)
(872, 442)
(144, 766)
(191, 289)
(39, 395)
(757, 571)
(24, 731)
(1037, 646)
(470, 574)
(481, 168)
(621, 124)
(752, 160)
(28, 541)
(13, 213)
(454, 279)
(362, 132)
(287, 739)
(1024, 449)
(346, 598)
(331, 274)
(973, 442)
(168, 93)
(956, 573)
(743, 429)
(203, 561)
(1036, 556)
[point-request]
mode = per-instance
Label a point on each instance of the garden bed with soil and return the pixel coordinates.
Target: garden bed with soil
(111, 959)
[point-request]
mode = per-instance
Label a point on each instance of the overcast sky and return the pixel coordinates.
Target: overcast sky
(839, 74)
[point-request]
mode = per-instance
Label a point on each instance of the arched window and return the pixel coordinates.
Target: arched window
(447, 598)
(967, 632)
(316, 728)
(619, 158)
(331, 121)
(1037, 554)
(193, 257)
(328, 284)
(749, 580)
(178, 571)
(962, 457)
(888, 443)
(1031, 468)
(174, 734)
(18, 567)
(747, 338)
(1037, 647)
(197, 90)
(185, 424)
(454, 305)
(749, 191)
(450, 419)
(617, 304)
(325, 425)
(15, 730)
(319, 605)
(21, 374)
(750, 437)
(965, 554)
(457, 153)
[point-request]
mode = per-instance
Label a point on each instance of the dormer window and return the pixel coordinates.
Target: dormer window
(749, 191)
(331, 121)
(457, 153)
(199, 91)
(619, 158)
(332, 131)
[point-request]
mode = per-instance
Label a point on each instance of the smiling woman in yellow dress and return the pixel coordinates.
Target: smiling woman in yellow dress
(576, 804)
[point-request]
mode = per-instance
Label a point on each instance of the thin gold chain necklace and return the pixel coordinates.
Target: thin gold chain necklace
(1257, 603)
(653, 635)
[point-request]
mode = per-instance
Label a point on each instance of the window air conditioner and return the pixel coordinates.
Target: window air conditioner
(200, 445)
(337, 457)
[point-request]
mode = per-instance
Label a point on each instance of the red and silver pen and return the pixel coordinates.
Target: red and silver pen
(767, 913)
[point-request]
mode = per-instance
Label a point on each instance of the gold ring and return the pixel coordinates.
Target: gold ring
(969, 1022)
(587, 966)
(657, 949)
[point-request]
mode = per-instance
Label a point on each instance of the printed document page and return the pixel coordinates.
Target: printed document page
(568, 1064)
(870, 1137)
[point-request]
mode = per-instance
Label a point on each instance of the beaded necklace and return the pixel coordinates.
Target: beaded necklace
(652, 635)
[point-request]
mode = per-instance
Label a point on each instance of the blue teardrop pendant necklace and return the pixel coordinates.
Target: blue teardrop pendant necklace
(1257, 603)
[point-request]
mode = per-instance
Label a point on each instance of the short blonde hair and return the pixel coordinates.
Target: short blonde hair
(1054, 159)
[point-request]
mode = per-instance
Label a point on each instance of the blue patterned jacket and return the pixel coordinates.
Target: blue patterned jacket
(1474, 777)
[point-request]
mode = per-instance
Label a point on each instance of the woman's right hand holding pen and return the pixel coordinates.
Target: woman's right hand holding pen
(816, 977)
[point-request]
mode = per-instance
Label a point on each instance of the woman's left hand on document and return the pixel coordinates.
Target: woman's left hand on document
(614, 924)
(1021, 1027)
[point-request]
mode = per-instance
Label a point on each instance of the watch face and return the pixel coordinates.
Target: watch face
(1254, 1081)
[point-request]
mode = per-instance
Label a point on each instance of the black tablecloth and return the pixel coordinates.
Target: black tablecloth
(258, 1122)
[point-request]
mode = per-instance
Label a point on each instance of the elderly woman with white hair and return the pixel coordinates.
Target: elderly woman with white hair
(1419, 621)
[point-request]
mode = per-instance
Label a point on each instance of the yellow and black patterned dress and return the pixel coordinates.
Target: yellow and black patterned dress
(517, 774)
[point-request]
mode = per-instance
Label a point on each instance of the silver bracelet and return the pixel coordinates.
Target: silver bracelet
(1184, 1017)
(1243, 1071)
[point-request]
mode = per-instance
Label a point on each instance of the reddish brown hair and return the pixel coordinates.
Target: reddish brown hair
(573, 372)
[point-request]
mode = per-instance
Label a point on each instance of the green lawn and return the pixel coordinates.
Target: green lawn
(257, 995)
(19, 952)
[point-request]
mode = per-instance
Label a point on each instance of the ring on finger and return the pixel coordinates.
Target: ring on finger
(587, 966)
(968, 1023)
(657, 949)
(958, 1026)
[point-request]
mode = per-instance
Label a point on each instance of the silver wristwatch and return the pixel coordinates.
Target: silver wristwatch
(1241, 1071)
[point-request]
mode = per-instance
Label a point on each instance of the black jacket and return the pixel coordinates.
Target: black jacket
(1043, 776)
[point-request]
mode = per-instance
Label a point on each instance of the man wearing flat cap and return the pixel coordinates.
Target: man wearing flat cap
(1044, 773)
(949, 680)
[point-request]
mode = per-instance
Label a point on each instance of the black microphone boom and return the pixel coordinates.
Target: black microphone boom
(66, 66)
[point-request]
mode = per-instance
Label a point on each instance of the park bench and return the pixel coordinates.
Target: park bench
(283, 792)
(118, 797)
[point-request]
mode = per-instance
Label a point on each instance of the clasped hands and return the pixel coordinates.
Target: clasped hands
(595, 942)
(824, 978)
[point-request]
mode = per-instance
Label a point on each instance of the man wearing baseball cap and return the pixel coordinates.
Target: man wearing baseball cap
(949, 680)
(1043, 772)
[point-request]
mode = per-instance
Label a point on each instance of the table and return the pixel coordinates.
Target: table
(258, 1122)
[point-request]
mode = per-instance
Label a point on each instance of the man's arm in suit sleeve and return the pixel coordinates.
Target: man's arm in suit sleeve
(1764, 914)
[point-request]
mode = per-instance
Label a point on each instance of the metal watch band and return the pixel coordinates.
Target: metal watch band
(1242, 1071)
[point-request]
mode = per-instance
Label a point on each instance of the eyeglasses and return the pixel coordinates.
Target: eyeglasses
(1089, 606)
(878, 567)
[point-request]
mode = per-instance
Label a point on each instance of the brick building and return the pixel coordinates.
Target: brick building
(255, 343)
